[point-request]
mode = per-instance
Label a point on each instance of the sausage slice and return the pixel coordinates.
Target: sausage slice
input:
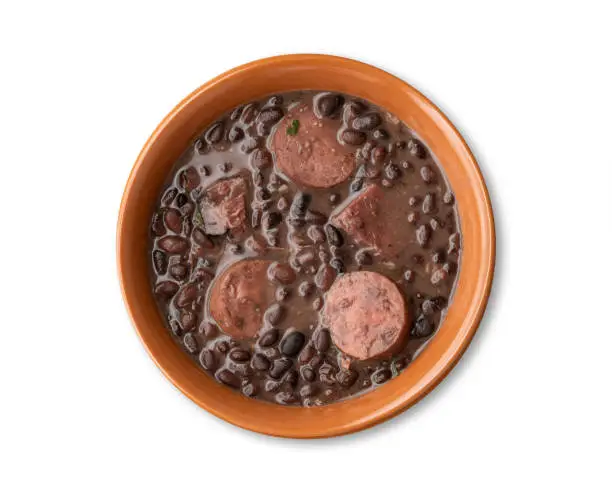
(240, 296)
(367, 315)
(308, 151)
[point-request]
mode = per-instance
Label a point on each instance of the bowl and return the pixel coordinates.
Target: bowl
(289, 73)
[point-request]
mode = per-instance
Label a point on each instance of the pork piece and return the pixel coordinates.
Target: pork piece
(364, 220)
(223, 206)
(367, 315)
(308, 152)
(240, 296)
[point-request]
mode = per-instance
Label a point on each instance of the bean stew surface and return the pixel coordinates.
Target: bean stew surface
(305, 248)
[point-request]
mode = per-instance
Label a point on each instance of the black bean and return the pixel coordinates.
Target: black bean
(314, 217)
(381, 376)
(275, 100)
(239, 355)
(260, 159)
(380, 134)
(337, 265)
(379, 154)
(272, 386)
(272, 238)
(268, 338)
(322, 340)
(326, 374)
(400, 145)
(249, 112)
(308, 390)
(271, 220)
(412, 217)
(215, 133)
(416, 148)
(438, 276)
(418, 259)
(179, 272)
(407, 165)
(208, 329)
(157, 224)
(189, 179)
(191, 343)
(169, 196)
(346, 378)
(363, 257)
(429, 203)
(305, 258)
(316, 361)
(325, 277)
(448, 198)
(308, 373)
(317, 304)
(414, 201)
(292, 343)
(352, 137)
(453, 243)
(188, 320)
(260, 362)
(428, 175)
(423, 235)
(353, 109)
(181, 199)
(249, 145)
(292, 378)
(286, 398)
(392, 172)
(334, 237)
(409, 275)
(435, 223)
(329, 104)
(422, 327)
(282, 294)
(305, 289)
(438, 256)
(166, 289)
(176, 328)
(274, 314)
(173, 220)
(228, 378)
(186, 295)
(280, 367)
(235, 134)
(356, 185)
(236, 112)
(160, 262)
(307, 353)
(208, 360)
(368, 121)
(296, 222)
(250, 389)
(316, 234)
(300, 204)
(270, 116)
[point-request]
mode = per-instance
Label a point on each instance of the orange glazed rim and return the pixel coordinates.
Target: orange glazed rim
(253, 81)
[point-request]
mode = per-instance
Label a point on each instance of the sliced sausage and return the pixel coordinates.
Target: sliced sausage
(240, 296)
(367, 315)
(223, 206)
(308, 152)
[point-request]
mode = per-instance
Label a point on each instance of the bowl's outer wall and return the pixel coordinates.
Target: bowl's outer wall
(276, 75)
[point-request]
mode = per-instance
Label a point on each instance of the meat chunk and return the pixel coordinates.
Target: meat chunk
(364, 220)
(308, 151)
(223, 206)
(367, 315)
(240, 296)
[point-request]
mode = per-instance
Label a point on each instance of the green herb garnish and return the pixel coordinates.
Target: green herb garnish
(197, 217)
(293, 128)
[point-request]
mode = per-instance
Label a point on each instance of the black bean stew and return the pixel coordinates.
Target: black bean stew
(305, 248)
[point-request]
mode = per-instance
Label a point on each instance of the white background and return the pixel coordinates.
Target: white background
(83, 85)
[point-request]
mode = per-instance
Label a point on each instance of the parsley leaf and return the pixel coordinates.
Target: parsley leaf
(293, 128)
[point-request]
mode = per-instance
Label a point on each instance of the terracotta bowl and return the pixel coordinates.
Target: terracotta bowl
(288, 73)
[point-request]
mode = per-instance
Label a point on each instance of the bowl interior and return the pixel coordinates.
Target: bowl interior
(289, 73)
